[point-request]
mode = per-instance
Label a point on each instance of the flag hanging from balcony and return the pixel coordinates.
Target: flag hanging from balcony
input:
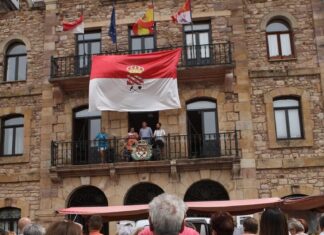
(183, 16)
(135, 83)
(145, 25)
(76, 26)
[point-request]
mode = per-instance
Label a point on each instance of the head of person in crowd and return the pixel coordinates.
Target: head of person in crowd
(34, 229)
(321, 224)
(22, 223)
(126, 229)
(166, 215)
(295, 227)
(273, 222)
(250, 226)
(222, 223)
(305, 224)
(2, 232)
(64, 227)
(95, 223)
(144, 124)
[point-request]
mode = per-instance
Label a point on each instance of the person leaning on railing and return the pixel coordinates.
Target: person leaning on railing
(159, 137)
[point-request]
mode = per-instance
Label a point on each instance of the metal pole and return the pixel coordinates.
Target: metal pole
(115, 25)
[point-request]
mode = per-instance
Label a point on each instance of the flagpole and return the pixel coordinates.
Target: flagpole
(153, 16)
(192, 34)
(83, 39)
(115, 25)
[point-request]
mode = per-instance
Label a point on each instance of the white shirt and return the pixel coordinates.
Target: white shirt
(159, 134)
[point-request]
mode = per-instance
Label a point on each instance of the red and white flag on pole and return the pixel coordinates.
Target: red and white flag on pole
(135, 83)
(183, 16)
(76, 26)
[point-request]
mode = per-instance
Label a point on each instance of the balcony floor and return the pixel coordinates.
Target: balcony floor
(165, 166)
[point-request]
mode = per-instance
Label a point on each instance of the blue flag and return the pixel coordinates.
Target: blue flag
(112, 28)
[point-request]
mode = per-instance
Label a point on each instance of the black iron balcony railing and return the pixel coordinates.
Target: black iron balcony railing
(199, 55)
(175, 147)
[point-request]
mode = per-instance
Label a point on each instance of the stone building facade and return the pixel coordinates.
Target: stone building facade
(239, 82)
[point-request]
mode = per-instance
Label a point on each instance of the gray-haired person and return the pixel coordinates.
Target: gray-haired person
(166, 215)
(34, 229)
(295, 227)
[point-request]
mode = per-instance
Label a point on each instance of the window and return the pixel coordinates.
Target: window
(202, 126)
(88, 44)
(16, 62)
(141, 44)
(288, 118)
(12, 136)
(197, 40)
(279, 40)
(9, 217)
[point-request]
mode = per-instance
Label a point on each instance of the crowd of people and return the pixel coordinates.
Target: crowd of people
(167, 215)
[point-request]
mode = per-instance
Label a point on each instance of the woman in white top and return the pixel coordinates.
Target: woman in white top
(159, 136)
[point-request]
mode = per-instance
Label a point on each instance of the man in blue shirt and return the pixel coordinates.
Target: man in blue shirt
(102, 144)
(146, 133)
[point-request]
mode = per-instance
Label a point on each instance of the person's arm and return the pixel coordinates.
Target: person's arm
(154, 134)
(151, 132)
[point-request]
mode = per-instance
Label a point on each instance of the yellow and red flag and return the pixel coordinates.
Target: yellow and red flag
(145, 25)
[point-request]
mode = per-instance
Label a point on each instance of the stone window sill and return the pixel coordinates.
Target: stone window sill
(13, 82)
(14, 159)
(292, 143)
(283, 59)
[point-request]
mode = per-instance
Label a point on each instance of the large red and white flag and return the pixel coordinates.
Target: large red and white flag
(76, 26)
(183, 16)
(135, 83)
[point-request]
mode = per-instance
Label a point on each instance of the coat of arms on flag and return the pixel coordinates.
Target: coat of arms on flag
(130, 83)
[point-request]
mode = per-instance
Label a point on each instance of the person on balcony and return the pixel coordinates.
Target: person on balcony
(159, 137)
(102, 144)
(146, 133)
(132, 138)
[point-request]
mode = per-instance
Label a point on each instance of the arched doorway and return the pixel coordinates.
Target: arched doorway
(142, 193)
(87, 196)
(202, 127)
(206, 190)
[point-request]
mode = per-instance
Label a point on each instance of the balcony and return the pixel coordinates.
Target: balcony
(8, 5)
(185, 152)
(201, 62)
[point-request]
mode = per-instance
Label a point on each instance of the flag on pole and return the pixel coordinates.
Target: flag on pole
(76, 26)
(183, 16)
(112, 28)
(145, 25)
(135, 83)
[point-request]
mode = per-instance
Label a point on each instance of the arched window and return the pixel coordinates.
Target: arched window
(9, 217)
(16, 62)
(12, 135)
(288, 121)
(279, 40)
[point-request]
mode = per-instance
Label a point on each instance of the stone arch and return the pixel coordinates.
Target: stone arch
(12, 39)
(279, 14)
(142, 193)
(87, 195)
(206, 190)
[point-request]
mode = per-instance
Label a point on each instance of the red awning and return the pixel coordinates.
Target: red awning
(235, 207)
